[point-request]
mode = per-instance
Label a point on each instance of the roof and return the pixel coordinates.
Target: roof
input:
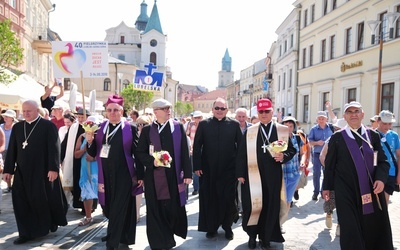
(154, 21)
(212, 95)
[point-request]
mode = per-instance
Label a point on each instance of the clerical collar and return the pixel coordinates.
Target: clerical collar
(265, 125)
(33, 120)
(115, 124)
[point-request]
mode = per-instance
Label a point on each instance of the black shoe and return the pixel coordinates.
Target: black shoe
(296, 195)
(265, 244)
(195, 192)
(252, 243)
(291, 204)
(211, 235)
(315, 197)
(21, 240)
(229, 234)
(53, 228)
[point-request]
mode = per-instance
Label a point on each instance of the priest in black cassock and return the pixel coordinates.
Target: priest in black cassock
(356, 168)
(214, 154)
(114, 146)
(33, 157)
(165, 186)
(260, 173)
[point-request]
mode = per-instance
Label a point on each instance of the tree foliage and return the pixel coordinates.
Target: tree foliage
(183, 108)
(11, 53)
(137, 99)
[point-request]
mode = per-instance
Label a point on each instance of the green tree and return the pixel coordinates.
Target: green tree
(11, 53)
(183, 108)
(136, 98)
(179, 108)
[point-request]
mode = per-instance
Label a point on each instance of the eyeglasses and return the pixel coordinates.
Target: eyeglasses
(264, 111)
(355, 112)
(140, 124)
(112, 110)
(164, 109)
(197, 117)
(220, 108)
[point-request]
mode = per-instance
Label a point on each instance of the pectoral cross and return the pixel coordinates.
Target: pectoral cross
(24, 144)
(264, 147)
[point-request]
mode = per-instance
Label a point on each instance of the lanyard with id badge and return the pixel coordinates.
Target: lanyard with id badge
(105, 149)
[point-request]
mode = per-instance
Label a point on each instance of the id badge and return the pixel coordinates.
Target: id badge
(151, 149)
(105, 150)
(375, 158)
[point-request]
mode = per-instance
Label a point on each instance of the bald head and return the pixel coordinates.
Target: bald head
(30, 110)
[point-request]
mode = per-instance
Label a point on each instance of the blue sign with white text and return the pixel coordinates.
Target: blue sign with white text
(148, 80)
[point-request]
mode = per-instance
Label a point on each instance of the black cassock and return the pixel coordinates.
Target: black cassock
(357, 231)
(164, 217)
(120, 205)
(214, 152)
(268, 227)
(38, 203)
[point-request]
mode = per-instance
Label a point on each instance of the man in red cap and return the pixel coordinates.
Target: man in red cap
(260, 173)
(114, 146)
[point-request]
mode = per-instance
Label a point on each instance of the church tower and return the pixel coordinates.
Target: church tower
(143, 18)
(154, 42)
(225, 76)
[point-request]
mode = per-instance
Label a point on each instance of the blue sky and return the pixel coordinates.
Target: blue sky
(198, 31)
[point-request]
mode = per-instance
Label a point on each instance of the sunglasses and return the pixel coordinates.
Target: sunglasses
(164, 109)
(264, 111)
(220, 108)
(140, 124)
(112, 110)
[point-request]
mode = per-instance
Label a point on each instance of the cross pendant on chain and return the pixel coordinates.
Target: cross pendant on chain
(264, 147)
(24, 144)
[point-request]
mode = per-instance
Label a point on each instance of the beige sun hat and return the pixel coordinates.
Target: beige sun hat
(10, 113)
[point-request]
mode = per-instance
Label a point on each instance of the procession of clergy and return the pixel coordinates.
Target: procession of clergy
(255, 168)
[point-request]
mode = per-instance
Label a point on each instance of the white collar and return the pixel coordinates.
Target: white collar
(33, 120)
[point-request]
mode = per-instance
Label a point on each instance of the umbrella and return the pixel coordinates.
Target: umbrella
(92, 101)
(72, 97)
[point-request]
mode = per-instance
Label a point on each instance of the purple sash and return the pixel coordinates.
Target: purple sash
(160, 178)
(127, 142)
(362, 163)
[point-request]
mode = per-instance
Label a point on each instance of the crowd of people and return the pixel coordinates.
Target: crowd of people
(242, 166)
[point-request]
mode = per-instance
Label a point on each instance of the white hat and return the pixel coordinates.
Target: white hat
(352, 104)
(322, 113)
(386, 116)
(340, 123)
(10, 113)
(160, 103)
(197, 113)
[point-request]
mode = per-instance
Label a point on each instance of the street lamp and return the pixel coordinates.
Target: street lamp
(119, 85)
(373, 25)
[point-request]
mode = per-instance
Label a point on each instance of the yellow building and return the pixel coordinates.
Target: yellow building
(339, 62)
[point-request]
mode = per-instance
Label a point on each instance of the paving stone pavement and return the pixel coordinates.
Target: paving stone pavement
(305, 229)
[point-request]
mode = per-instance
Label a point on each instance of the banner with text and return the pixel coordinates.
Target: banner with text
(70, 58)
(148, 81)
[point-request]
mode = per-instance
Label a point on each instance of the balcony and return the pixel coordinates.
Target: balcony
(40, 41)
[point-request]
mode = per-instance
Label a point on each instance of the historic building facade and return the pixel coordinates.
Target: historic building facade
(339, 62)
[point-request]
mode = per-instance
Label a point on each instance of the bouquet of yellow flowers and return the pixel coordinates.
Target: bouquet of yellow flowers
(90, 126)
(277, 147)
(163, 158)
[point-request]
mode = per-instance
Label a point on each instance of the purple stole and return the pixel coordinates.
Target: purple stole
(127, 141)
(362, 163)
(160, 178)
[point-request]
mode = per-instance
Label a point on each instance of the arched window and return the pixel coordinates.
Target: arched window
(153, 58)
(107, 84)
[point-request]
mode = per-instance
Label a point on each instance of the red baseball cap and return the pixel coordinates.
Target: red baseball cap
(264, 104)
